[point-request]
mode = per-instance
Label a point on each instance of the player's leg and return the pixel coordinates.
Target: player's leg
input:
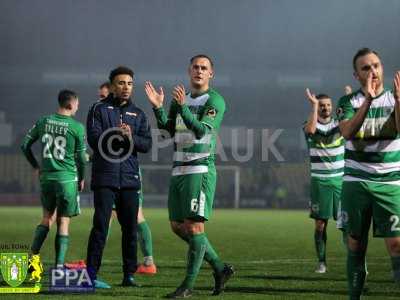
(197, 247)
(127, 210)
(322, 206)
(145, 242)
(386, 216)
(197, 194)
(320, 238)
(67, 206)
(210, 256)
(62, 240)
(42, 230)
(357, 213)
(48, 200)
(103, 202)
(393, 247)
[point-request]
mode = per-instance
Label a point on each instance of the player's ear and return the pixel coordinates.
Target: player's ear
(356, 75)
(211, 73)
(69, 106)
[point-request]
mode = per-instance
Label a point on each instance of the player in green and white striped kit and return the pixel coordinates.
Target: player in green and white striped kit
(194, 120)
(61, 171)
(370, 122)
(326, 148)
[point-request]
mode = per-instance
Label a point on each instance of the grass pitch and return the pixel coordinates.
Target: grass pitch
(272, 252)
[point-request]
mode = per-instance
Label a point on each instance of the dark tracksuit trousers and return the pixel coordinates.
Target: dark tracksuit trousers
(127, 205)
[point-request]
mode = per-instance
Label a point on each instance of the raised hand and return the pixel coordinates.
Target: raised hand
(371, 86)
(155, 97)
(311, 97)
(126, 130)
(396, 86)
(179, 94)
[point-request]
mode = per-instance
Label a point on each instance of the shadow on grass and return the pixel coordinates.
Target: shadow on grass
(276, 291)
(297, 278)
(314, 278)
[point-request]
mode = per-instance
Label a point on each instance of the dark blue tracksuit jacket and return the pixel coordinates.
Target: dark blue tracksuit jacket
(115, 163)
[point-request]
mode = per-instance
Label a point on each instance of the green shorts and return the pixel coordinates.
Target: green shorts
(325, 197)
(61, 195)
(363, 201)
(191, 196)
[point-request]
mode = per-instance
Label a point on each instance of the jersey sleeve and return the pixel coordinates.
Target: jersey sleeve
(31, 137)
(345, 110)
(211, 118)
(80, 151)
(214, 111)
(164, 121)
(80, 144)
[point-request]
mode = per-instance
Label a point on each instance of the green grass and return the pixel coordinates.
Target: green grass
(272, 251)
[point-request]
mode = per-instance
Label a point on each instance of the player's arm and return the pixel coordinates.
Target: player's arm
(351, 121)
(156, 98)
(396, 94)
(81, 157)
(212, 117)
(311, 126)
(27, 143)
(94, 126)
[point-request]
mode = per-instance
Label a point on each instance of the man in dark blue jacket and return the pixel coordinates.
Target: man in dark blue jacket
(117, 130)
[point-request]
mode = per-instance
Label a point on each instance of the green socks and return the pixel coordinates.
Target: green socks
(197, 248)
(320, 245)
(61, 245)
(39, 237)
(396, 268)
(145, 241)
(210, 255)
(355, 273)
(212, 258)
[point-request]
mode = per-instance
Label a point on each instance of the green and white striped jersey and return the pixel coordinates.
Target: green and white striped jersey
(326, 148)
(192, 153)
(374, 153)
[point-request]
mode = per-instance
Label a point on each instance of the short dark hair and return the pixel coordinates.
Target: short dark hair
(362, 52)
(202, 56)
(105, 85)
(65, 97)
(121, 70)
(322, 96)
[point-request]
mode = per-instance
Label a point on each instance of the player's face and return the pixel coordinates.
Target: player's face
(122, 86)
(366, 64)
(325, 108)
(200, 72)
(103, 93)
(74, 106)
(347, 90)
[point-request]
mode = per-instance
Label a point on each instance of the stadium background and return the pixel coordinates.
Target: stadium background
(266, 53)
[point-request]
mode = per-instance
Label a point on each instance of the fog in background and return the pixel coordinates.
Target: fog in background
(266, 53)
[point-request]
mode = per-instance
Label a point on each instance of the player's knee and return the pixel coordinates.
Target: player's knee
(47, 221)
(194, 228)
